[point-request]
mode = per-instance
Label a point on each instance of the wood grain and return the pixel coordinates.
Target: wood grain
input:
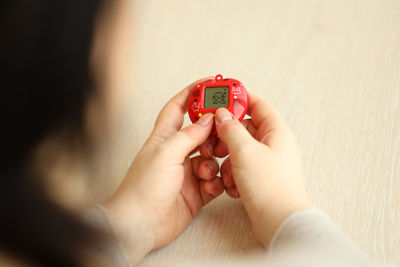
(331, 67)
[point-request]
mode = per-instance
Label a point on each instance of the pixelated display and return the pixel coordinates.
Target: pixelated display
(216, 97)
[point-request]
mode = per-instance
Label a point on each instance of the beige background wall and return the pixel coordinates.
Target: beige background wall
(331, 67)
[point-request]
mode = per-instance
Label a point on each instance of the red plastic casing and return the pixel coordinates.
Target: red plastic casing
(238, 99)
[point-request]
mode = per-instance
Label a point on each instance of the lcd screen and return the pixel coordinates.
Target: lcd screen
(216, 97)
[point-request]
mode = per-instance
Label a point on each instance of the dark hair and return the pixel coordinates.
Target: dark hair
(45, 82)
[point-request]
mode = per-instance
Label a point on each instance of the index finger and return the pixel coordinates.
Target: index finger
(171, 117)
(271, 128)
(263, 113)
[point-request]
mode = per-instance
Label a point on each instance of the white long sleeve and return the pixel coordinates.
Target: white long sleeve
(306, 238)
(309, 238)
(113, 252)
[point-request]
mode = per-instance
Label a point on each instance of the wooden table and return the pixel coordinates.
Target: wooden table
(332, 68)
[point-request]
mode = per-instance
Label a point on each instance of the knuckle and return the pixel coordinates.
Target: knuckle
(161, 152)
(185, 136)
(228, 126)
(248, 148)
(190, 131)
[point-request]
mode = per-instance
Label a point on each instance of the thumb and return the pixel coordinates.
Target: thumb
(231, 131)
(179, 145)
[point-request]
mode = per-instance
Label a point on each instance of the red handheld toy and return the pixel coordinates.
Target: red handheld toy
(210, 95)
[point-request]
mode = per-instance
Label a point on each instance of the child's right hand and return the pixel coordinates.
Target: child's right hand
(263, 168)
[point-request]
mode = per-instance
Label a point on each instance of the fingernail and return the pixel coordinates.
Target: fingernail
(223, 115)
(206, 119)
(210, 150)
(228, 182)
(211, 168)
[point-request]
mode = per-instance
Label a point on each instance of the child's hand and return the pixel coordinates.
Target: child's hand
(264, 166)
(165, 188)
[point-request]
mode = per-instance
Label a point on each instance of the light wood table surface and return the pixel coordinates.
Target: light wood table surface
(332, 68)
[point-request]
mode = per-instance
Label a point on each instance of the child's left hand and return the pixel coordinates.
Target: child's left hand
(165, 188)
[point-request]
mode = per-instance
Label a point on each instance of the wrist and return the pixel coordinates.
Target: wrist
(131, 227)
(269, 219)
